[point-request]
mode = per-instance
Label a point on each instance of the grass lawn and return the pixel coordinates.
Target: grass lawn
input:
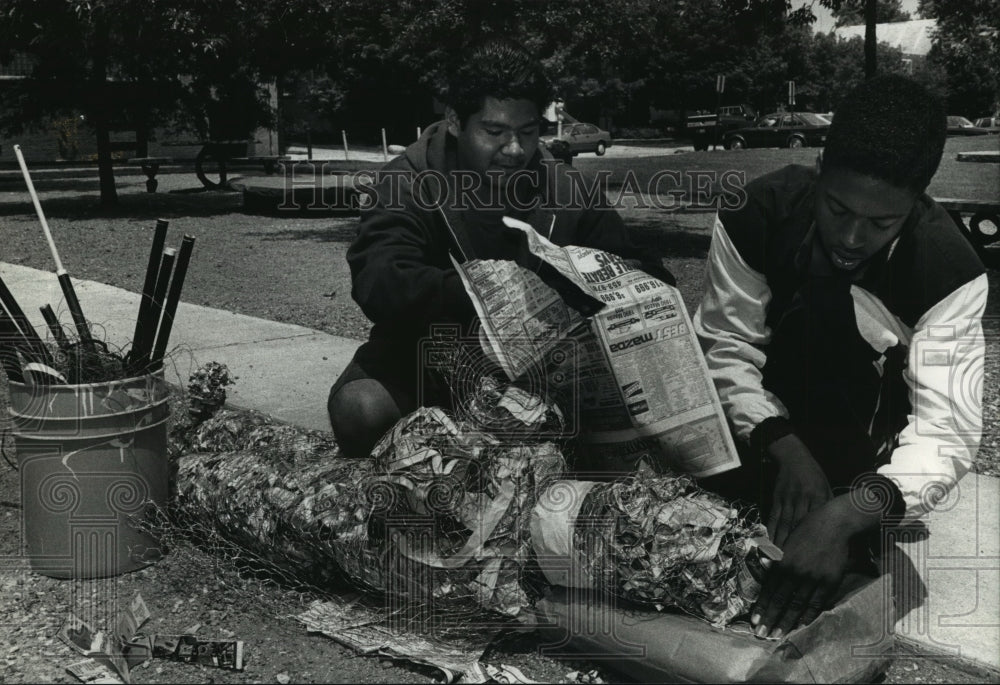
(954, 179)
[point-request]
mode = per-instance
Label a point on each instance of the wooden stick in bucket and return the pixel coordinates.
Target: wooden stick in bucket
(32, 342)
(142, 346)
(10, 340)
(64, 281)
(52, 321)
(149, 285)
(173, 298)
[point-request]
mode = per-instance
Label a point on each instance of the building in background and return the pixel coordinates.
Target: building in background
(70, 138)
(912, 38)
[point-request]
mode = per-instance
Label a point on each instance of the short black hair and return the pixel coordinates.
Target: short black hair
(890, 128)
(500, 70)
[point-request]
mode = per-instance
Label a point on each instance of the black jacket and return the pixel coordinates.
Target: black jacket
(401, 268)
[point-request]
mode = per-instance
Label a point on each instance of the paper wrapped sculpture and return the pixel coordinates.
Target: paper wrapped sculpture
(450, 514)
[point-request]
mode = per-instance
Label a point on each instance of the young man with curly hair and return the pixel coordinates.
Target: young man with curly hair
(445, 198)
(842, 325)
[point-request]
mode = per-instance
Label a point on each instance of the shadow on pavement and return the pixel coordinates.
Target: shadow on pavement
(133, 205)
(344, 231)
(43, 184)
(909, 591)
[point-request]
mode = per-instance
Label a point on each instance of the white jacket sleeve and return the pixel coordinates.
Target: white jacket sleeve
(731, 325)
(945, 380)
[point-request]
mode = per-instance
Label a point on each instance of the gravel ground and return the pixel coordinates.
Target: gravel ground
(291, 270)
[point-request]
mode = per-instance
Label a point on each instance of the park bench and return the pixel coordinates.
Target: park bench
(212, 164)
(981, 156)
(979, 218)
(211, 170)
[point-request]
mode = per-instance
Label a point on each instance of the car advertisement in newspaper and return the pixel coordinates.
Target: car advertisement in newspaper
(642, 382)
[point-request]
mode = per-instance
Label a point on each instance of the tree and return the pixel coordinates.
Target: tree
(607, 57)
(869, 10)
(129, 64)
(886, 11)
(966, 44)
(673, 50)
(835, 66)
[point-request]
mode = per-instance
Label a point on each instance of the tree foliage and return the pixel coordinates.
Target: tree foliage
(129, 65)
(362, 65)
(967, 46)
(869, 12)
(886, 11)
(613, 57)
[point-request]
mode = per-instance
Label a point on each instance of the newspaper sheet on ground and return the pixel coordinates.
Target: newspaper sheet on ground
(117, 649)
(642, 382)
(369, 630)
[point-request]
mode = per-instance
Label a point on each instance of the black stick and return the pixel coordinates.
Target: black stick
(143, 344)
(173, 298)
(33, 342)
(64, 282)
(52, 321)
(73, 304)
(10, 340)
(149, 285)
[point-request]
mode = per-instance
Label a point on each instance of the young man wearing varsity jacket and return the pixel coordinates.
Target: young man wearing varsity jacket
(842, 325)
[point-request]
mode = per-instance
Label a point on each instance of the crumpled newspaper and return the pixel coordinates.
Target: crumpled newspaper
(285, 493)
(438, 518)
(472, 487)
(669, 543)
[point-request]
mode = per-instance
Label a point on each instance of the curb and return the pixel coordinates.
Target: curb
(968, 665)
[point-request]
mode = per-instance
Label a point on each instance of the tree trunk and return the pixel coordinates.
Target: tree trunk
(99, 112)
(142, 133)
(109, 193)
(871, 18)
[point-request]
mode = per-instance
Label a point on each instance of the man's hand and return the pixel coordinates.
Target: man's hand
(816, 556)
(798, 587)
(801, 487)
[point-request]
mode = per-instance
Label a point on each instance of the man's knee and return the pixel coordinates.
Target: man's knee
(361, 412)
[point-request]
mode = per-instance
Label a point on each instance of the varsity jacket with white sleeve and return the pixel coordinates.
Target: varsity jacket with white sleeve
(926, 291)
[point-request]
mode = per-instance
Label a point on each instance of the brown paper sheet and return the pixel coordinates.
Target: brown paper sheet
(852, 642)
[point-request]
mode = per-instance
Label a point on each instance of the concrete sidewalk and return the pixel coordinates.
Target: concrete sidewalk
(947, 578)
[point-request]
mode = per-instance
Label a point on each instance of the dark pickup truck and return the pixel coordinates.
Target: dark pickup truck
(707, 128)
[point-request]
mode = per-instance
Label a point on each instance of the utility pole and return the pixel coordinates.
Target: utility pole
(720, 86)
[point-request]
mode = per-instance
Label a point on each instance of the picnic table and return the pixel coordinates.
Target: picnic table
(979, 218)
(151, 166)
(987, 156)
(212, 164)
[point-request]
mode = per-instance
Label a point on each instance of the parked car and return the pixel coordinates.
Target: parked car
(706, 127)
(960, 126)
(559, 149)
(781, 129)
(992, 124)
(582, 138)
(744, 112)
